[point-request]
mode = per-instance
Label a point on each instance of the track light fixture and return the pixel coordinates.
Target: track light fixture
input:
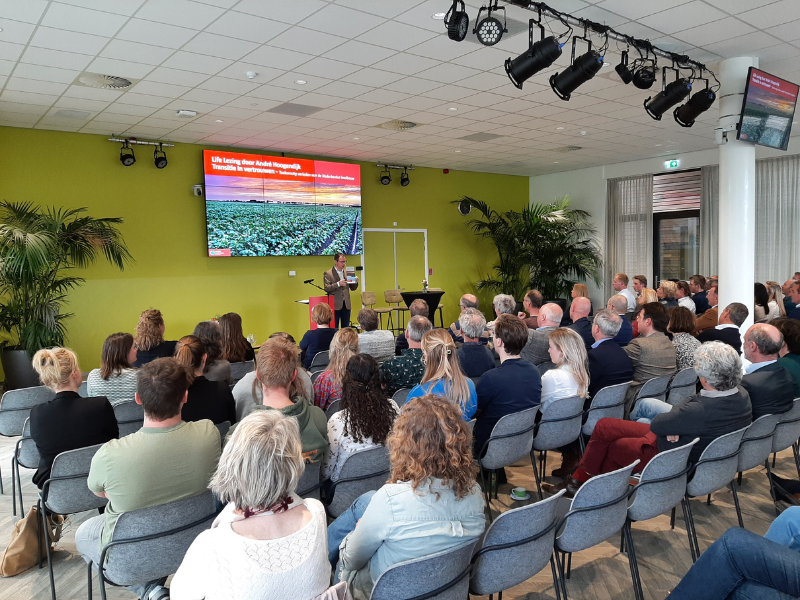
(159, 157)
(539, 56)
(457, 21)
(622, 69)
(404, 180)
(699, 103)
(386, 178)
(579, 72)
(669, 96)
(489, 31)
(126, 155)
(645, 74)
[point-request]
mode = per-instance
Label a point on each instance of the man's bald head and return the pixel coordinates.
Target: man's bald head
(581, 307)
(762, 342)
(550, 315)
(618, 303)
(468, 301)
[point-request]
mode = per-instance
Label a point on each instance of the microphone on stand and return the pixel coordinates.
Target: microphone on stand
(308, 281)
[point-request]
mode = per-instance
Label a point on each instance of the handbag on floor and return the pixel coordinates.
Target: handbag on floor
(22, 552)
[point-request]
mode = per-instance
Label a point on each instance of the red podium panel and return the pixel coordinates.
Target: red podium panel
(312, 302)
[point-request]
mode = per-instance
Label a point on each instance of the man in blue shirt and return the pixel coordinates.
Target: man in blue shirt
(697, 285)
(794, 295)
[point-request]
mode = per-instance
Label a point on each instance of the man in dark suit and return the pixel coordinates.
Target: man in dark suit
(619, 304)
(793, 310)
(770, 386)
(710, 318)
(609, 364)
(728, 329)
(335, 283)
(536, 350)
(697, 285)
(579, 313)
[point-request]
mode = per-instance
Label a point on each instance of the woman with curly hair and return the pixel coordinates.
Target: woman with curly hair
(430, 504)
(235, 347)
(328, 386)
(217, 368)
(366, 417)
(149, 338)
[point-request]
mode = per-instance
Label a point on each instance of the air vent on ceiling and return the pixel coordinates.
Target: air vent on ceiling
(480, 137)
(398, 125)
(72, 114)
(104, 82)
(295, 110)
(563, 149)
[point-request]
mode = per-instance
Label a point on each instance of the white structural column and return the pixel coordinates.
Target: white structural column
(737, 197)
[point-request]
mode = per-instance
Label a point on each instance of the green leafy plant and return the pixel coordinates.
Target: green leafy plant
(547, 247)
(39, 248)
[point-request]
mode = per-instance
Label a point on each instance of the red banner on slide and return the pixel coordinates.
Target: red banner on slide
(775, 85)
(258, 166)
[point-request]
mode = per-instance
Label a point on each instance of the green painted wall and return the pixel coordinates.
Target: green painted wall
(165, 231)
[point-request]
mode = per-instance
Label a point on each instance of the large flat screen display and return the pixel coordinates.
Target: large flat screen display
(768, 110)
(273, 206)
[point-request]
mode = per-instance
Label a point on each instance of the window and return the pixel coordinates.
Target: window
(676, 222)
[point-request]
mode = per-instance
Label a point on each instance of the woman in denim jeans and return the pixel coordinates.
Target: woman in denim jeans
(432, 503)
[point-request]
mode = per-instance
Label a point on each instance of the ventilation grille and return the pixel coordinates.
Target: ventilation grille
(676, 191)
(398, 125)
(72, 114)
(104, 82)
(294, 110)
(480, 137)
(565, 149)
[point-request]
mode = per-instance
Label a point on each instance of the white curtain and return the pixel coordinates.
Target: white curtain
(777, 218)
(708, 241)
(629, 229)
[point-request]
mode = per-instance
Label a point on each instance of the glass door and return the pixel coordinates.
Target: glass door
(675, 248)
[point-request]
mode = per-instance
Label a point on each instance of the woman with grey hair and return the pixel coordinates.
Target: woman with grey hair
(267, 540)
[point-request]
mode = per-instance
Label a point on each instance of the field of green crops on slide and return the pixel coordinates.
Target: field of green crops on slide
(258, 229)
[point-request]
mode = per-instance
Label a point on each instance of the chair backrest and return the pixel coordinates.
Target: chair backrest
(655, 388)
(756, 443)
(392, 296)
(223, 428)
(400, 396)
(66, 492)
(560, 424)
(362, 471)
(369, 299)
(308, 486)
(517, 545)
(511, 439)
(411, 579)
(27, 453)
(321, 359)
(682, 386)
(788, 430)
(598, 510)
(83, 390)
(608, 402)
(16, 405)
(130, 417)
(333, 408)
(717, 465)
(315, 375)
(150, 543)
(240, 369)
(662, 484)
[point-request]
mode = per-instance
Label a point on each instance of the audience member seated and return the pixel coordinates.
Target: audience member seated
(503, 304)
(115, 379)
(786, 290)
(531, 304)
(710, 318)
(652, 354)
(639, 283)
(790, 351)
(762, 310)
(645, 296)
(378, 343)
(697, 286)
(684, 296)
(216, 368)
(579, 290)
(247, 391)
(406, 371)
(609, 364)
(727, 331)
(210, 400)
(319, 339)
(267, 540)
(681, 326)
(149, 338)
(467, 301)
(720, 408)
(443, 375)
(510, 388)
(432, 503)
(276, 371)
(68, 421)
(365, 418)
(166, 460)
(475, 357)
(776, 304)
(235, 347)
(569, 378)
(536, 350)
(579, 313)
(619, 305)
(794, 297)
(620, 285)
(770, 386)
(417, 308)
(328, 386)
(666, 293)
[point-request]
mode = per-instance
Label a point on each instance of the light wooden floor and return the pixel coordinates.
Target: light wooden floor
(599, 573)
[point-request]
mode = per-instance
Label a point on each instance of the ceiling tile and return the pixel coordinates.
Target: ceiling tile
(724, 29)
(373, 77)
(635, 9)
(83, 20)
(344, 90)
(325, 67)
(412, 85)
(38, 87)
(157, 34)
(106, 117)
(675, 19)
(135, 52)
(167, 90)
(233, 86)
(188, 61)
(145, 100)
(739, 6)
(342, 21)
(359, 53)
(272, 57)
(29, 11)
(16, 32)
(407, 64)
(788, 32)
(175, 76)
(382, 8)
(123, 108)
(266, 92)
(119, 68)
(309, 41)
(45, 73)
(418, 103)
(288, 80)
(448, 73)
(179, 12)
(321, 100)
(69, 41)
(383, 96)
(247, 27)
(54, 58)
(81, 104)
(280, 10)
(126, 8)
(238, 71)
(743, 44)
(397, 36)
(208, 96)
(219, 46)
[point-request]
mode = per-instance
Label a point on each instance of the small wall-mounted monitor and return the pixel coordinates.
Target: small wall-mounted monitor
(768, 110)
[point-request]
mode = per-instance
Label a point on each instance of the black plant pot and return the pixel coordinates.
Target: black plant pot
(18, 369)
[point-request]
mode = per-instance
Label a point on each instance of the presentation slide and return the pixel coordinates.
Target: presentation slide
(273, 206)
(768, 110)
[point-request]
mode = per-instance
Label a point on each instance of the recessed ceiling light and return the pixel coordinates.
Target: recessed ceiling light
(453, 108)
(254, 104)
(438, 16)
(559, 128)
(1, 29)
(300, 81)
(355, 138)
(458, 150)
(555, 162)
(218, 121)
(657, 145)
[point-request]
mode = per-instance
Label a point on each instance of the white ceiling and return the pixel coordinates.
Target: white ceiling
(365, 62)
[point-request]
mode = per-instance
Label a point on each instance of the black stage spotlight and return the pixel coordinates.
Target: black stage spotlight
(126, 155)
(404, 180)
(667, 98)
(699, 103)
(539, 56)
(622, 69)
(386, 178)
(579, 72)
(160, 158)
(457, 21)
(489, 30)
(645, 75)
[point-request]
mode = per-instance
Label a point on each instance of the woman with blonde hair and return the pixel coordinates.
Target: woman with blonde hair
(571, 375)
(328, 386)
(666, 293)
(235, 347)
(267, 543)
(430, 504)
(150, 338)
(318, 340)
(443, 375)
(207, 399)
(776, 307)
(66, 422)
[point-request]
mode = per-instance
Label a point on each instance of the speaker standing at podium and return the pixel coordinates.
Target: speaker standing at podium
(335, 283)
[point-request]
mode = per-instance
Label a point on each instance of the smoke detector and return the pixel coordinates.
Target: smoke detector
(188, 114)
(103, 82)
(398, 125)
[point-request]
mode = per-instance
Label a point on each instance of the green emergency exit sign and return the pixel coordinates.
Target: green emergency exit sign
(672, 164)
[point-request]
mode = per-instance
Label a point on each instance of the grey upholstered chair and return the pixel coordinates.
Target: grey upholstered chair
(654, 388)
(315, 374)
(400, 396)
(15, 408)
(560, 425)
(362, 471)
(240, 369)
(83, 390)
(516, 547)
(440, 576)
(223, 429)
(321, 359)
(756, 446)
(682, 386)
(130, 417)
(787, 433)
(308, 486)
(66, 493)
(333, 408)
(25, 455)
(609, 402)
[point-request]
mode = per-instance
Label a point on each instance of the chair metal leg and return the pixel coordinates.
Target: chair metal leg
(694, 546)
(89, 579)
(569, 565)
(634, 565)
(46, 532)
(621, 541)
(708, 500)
(39, 538)
(544, 464)
(739, 479)
(772, 487)
(736, 504)
(486, 492)
(13, 487)
(19, 491)
(672, 519)
(536, 475)
(1, 481)
(561, 579)
(102, 583)
(774, 456)
(796, 458)
(555, 567)
(582, 444)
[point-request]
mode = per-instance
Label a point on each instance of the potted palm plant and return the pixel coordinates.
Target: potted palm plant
(39, 248)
